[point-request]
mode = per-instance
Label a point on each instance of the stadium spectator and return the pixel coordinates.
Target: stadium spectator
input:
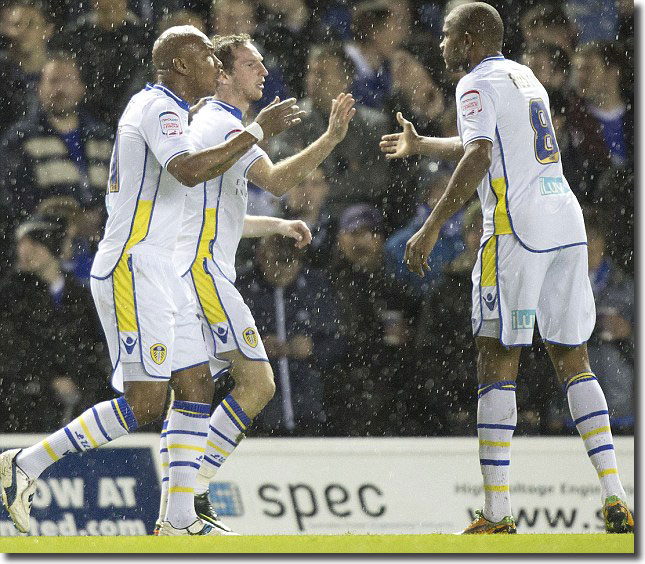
(308, 202)
(448, 247)
(288, 299)
(52, 356)
(548, 23)
(611, 347)
(109, 29)
(551, 66)
(362, 397)
(379, 28)
(58, 151)
(601, 119)
(180, 17)
(444, 351)
(26, 27)
(358, 172)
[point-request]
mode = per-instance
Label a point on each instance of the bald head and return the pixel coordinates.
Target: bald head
(481, 21)
(172, 42)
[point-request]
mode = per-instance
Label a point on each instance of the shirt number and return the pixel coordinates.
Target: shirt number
(546, 147)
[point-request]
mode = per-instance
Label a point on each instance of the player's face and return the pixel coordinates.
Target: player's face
(452, 46)
(206, 67)
(248, 72)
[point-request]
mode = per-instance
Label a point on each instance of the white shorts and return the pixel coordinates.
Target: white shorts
(149, 318)
(224, 314)
(514, 287)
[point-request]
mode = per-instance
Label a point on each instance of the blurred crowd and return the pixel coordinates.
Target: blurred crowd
(370, 349)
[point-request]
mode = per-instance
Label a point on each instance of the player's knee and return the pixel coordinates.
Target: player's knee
(266, 385)
(146, 405)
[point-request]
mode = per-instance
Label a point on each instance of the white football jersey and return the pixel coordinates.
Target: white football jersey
(214, 216)
(525, 191)
(144, 201)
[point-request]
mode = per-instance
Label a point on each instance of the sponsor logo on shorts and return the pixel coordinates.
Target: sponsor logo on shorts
(222, 332)
(158, 353)
(522, 319)
(250, 337)
(550, 185)
(490, 299)
(129, 344)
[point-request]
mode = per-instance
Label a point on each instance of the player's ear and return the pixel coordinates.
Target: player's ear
(179, 66)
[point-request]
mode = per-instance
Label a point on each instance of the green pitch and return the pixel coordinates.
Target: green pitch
(555, 543)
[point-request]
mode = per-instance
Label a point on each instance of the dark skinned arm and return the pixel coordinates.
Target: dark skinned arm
(464, 181)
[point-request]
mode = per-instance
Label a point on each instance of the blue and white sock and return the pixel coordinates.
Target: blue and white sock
(589, 411)
(186, 438)
(496, 421)
(98, 425)
(226, 428)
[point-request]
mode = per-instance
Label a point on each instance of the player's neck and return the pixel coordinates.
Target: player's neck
(232, 98)
(479, 55)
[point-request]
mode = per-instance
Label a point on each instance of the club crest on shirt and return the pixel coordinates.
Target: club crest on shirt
(170, 124)
(158, 353)
(250, 337)
(471, 103)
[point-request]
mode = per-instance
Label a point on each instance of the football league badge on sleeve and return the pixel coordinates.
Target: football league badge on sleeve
(158, 353)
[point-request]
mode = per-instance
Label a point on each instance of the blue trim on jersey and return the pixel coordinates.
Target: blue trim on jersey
(246, 170)
(100, 425)
(464, 143)
(72, 440)
(191, 366)
(227, 315)
(508, 209)
(180, 101)
(564, 344)
(171, 157)
(229, 108)
(493, 58)
(222, 436)
(134, 215)
(219, 196)
(231, 133)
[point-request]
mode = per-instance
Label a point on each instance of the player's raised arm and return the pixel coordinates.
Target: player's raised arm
(409, 142)
(463, 183)
(199, 166)
(279, 178)
(261, 226)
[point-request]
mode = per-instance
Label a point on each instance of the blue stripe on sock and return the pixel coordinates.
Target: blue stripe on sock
(184, 463)
(165, 480)
(568, 384)
(72, 440)
(128, 414)
(195, 433)
(600, 449)
(244, 418)
(489, 462)
(495, 426)
(165, 425)
(211, 461)
(590, 415)
(504, 386)
(200, 409)
(100, 426)
(163, 450)
(222, 436)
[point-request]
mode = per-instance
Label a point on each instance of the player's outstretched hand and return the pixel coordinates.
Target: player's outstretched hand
(399, 145)
(418, 248)
(278, 116)
(342, 111)
(296, 229)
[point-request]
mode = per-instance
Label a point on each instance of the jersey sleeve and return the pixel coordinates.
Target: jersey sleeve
(476, 111)
(212, 126)
(164, 126)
